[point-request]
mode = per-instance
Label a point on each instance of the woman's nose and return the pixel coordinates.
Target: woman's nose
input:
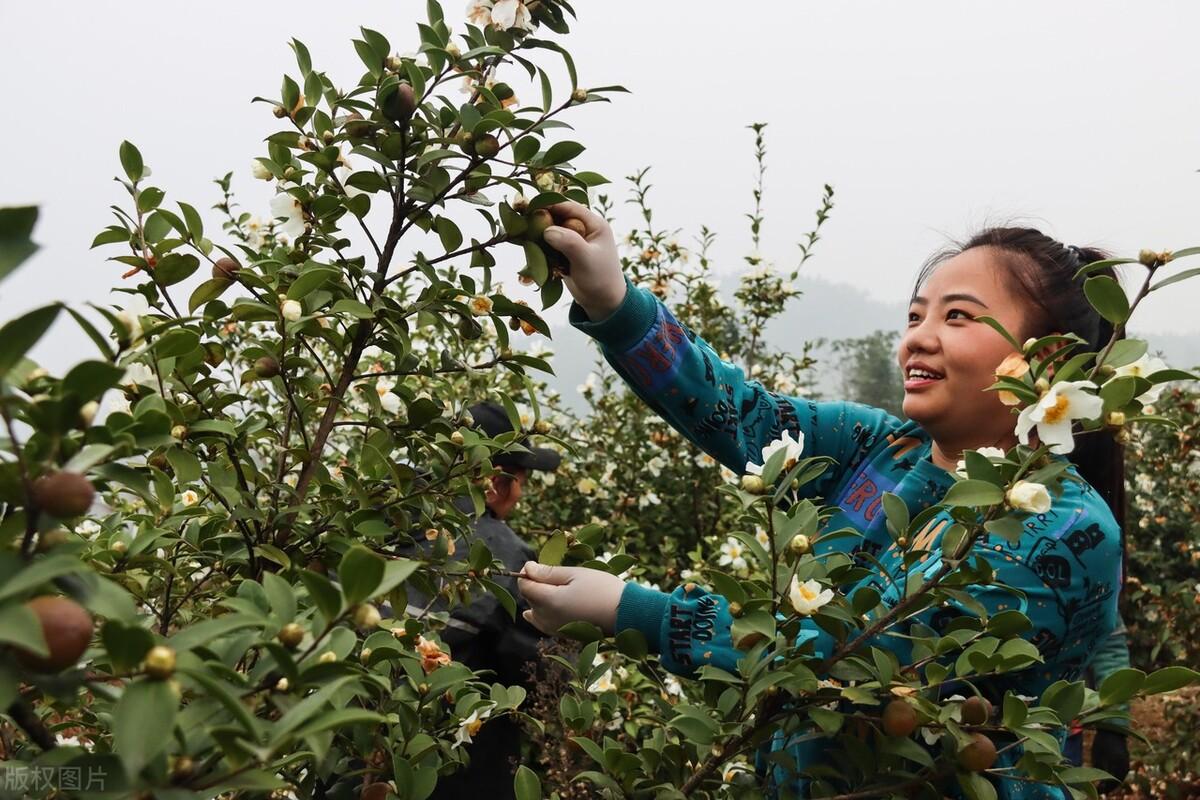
(921, 337)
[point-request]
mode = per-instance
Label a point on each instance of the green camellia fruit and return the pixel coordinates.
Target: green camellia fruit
(486, 146)
(160, 662)
(266, 367)
(63, 494)
(979, 755)
(67, 628)
(538, 222)
(290, 635)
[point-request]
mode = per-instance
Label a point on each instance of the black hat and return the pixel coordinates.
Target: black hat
(493, 421)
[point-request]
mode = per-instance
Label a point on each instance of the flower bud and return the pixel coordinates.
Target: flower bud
(179, 432)
(453, 51)
(87, 412)
(753, 484)
(799, 545)
(541, 426)
(367, 616)
(290, 635)
(119, 546)
(327, 137)
(1116, 419)
(1148, 258)
(328, 657)
(579, 95)
(160, 662)
(282, 685)
(1029, 343)
(1042, 386)
(457, 439)
(279, 111)
(365, 655)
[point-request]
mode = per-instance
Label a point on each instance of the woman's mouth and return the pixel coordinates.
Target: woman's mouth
(917, 378)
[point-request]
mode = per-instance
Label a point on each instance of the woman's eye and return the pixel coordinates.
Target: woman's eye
(957, 314)
(912, 317)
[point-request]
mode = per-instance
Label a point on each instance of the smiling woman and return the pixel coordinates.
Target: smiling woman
(972, 304)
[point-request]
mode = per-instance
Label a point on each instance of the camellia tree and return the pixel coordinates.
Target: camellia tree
(196, 584)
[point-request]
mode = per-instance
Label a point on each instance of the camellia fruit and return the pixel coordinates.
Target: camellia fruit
(290, 635)
(799, 545)
(899, 718)
(63, 494)
(400, 103)
(67, 628)
(486, 146)
(979, 755)
(48, 540)
(160, 662)
(266, 367)
(538, 222)
(576, 224)
(225, 268)
(976, 710)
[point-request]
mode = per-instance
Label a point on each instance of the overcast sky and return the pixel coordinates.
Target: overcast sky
(929, 118)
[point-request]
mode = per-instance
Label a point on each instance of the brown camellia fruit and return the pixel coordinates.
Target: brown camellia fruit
(538, 222)
(486, 146)
(575, 224)
(979, 755)
(225, 268)
(976, 710)
(63, 494)
(68, 631)
(376, 791)
(899, 718)
(400, 103)
(266, 367)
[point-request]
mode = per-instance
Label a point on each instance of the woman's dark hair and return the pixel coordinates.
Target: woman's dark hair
(1043, 272)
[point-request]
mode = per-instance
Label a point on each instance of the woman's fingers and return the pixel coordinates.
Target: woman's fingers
(544, 573)
(567, 242)
(569, 210)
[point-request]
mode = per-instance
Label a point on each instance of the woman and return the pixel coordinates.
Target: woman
(1068, 562)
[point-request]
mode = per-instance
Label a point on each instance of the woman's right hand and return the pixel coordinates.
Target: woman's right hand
(595, 279)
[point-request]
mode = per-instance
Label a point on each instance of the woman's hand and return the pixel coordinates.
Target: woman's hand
(595, 279)
(558, 595)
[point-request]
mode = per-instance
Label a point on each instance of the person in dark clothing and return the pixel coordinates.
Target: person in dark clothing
(481, 634)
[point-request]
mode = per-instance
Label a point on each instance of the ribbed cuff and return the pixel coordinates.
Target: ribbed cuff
(625, 327)
(642, 609)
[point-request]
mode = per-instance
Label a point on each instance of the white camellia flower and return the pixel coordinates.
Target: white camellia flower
(138, 374)
(88, 528)
(479, 12)
(793, 447)
(343, 173)
(470, 726)
(760, 536)
(585, 486)
(603, 684)
(189, 498)
(390, 403)
(131, 316)
(1144, 367)
(1054, 413)
(1029, 496)
(704, 460)
(986, 452)
(733, 555)
(511, 14)
(291, 310)
(655, 466)
(649, 499)
(286, 207)
(481, 305)
(260, 171)
(672, 686)
(807, 596)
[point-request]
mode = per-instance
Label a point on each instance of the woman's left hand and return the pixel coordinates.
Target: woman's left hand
(558, 595)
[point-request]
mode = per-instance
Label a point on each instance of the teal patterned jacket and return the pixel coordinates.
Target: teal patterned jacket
(1067, 565)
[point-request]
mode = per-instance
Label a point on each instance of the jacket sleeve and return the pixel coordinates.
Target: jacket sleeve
(1065, 571)
(710, 402)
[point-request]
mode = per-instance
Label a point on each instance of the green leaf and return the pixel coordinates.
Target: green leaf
(20, 626)
(131, 161)
(283, 599)
(360, 574)
(554, 549)
(203, 633)
(88, 380)
(19, 335)
(39, 572)
(185, 464)
(125, 644)
(526, 784)
(1168, 679)
(1000, 329)
(581, 632)
(310, 279)
(560, 152)
(632, 643)
(174, 267)
(323, 593)
(1121, 685)
(1181, 276)
(973, 493)
(209, 290)
(143, 721)
(1108, 298)
(16, 228)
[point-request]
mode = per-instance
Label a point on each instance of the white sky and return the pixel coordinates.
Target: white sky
(929, 118)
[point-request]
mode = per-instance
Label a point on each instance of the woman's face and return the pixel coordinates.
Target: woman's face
(948, 358)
